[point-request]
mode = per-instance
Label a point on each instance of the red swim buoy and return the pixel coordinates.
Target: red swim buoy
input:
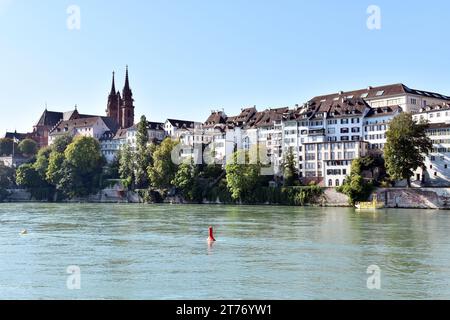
(211, 235)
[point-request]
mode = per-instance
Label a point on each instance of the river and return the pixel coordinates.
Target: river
(262, 252)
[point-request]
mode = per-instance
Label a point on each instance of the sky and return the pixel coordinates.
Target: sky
(188, 57)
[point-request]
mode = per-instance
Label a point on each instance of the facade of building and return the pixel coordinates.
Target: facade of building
(325, 134)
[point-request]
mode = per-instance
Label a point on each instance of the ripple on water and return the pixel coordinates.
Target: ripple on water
(160, 252)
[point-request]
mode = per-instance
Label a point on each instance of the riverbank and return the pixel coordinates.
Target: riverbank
(404, 198)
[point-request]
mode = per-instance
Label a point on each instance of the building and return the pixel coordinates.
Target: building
(121, 106)
(376, 124)
(48, 120)
(410, 100)
(435, 171)
(94, 127)
(111, 144)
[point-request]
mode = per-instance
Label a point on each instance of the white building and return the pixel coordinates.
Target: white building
(94, 127)
(376, 124)
(436, 170)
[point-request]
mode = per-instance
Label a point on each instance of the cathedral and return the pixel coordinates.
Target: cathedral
(119, 115)
(121, 107)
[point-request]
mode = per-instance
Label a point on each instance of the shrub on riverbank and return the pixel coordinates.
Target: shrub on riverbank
(290, 196)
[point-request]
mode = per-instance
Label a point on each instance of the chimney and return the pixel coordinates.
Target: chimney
(369, 88)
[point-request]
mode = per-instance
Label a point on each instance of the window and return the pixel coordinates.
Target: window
(413, 101)
(380, 93)
(337, 183)
(364, 95)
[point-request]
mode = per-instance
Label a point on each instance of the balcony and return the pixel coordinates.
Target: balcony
(317, 132)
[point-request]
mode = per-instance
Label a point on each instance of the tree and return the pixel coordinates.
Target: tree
(28, 177)
(28, 147)
(354, 185)
(42, 161)
(6, 147)
(290, 173)
(406, 147)
(186, 180)
(60, 144)
(242, 177)
(143, 157)
(82, 167)
(163, 170)
(126, 166)
(6, 180)
(54, 170)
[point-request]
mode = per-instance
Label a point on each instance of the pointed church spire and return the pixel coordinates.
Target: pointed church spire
(127, 81)
(126, 92)
(113, 87)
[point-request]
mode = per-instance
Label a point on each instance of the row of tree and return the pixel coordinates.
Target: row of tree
(72, 167)
(26, 147)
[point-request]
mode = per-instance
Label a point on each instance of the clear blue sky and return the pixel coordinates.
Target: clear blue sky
(188, 57)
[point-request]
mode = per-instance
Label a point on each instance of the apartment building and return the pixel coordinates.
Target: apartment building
(436, 171)
(376, 124)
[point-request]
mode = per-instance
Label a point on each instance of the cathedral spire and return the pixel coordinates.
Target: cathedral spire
(113, 87)
(126, 93)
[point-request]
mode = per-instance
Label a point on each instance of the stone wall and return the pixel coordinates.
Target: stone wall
(332, 198)
(423, 198)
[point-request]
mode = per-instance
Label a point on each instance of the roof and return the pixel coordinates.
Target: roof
(16, 135)
(52, 118)
(384, 111)
(121, 134)
(150, 126)
(49, 118)
(216, 118)
(181, 123)
(270, 116)
(380, 92)
(435, 107)
(67, 126)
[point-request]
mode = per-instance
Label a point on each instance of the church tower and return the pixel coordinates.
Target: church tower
(114, 102)
(127, 106)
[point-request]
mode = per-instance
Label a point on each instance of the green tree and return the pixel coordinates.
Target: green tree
(6, 180)
(406, 147)
(242, 177)
(143, 156)
(82, 167)
(54, 170)
(6, 147)
(28, 147)
(186, 180)
(42, 160)
(162, 172)
(127, 166)
(60, 144)
(28, 177)
(290, 173)
(355, 187)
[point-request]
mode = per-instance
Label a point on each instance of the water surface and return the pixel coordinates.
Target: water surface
(160, 252)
